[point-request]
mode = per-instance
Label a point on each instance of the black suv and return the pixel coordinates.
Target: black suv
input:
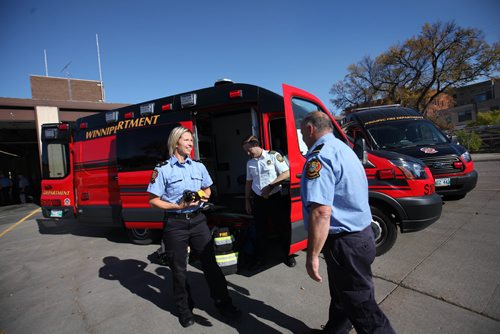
(406, 131)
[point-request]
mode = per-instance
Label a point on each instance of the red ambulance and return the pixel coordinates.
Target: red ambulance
(98, 169)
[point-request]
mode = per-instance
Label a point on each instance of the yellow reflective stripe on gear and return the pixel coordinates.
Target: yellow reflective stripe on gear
(227, 259)
(223, 240)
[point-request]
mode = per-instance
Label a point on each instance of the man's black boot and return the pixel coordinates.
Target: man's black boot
(290, 261)
(186, 320)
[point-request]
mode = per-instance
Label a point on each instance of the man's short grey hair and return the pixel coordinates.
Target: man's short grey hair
(319, 120)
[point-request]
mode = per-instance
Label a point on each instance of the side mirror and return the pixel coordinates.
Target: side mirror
(453, 139)
(360, 150)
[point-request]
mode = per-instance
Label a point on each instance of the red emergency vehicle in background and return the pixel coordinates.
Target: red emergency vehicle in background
(98, 169)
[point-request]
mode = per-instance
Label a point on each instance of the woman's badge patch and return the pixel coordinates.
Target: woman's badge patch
(154, 176)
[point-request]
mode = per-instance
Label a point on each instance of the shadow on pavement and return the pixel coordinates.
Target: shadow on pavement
(157, 288)
(71, 226)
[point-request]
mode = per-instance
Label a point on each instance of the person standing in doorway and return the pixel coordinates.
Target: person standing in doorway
(6, 187)
(336, 212)
(265, 172)
(23, 186)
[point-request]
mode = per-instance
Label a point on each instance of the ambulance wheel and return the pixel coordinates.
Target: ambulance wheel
(143, 236)
(384, 230)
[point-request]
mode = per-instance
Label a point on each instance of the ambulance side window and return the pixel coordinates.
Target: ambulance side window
(354, 131)
(277, 133)
(300, 109)
(142, 148)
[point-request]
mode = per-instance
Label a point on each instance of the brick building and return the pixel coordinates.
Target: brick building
(471, 100)
(54, 100)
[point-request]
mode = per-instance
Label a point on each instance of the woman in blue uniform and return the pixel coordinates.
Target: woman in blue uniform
(185, 225)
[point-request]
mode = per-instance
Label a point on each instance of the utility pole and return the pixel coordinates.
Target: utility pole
(46, 64)
(99, 63)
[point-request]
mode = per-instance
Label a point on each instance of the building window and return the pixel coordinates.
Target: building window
(482, 97)
(464, 116)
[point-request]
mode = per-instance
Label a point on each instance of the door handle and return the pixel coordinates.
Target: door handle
(298, 175)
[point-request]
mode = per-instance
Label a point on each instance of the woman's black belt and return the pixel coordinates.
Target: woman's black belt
(187, 216)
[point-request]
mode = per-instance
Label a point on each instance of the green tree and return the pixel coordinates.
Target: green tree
(442, 56)
(487, 118)
(470, 140)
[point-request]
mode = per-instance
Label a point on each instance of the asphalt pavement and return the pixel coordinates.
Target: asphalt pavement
(59, 277)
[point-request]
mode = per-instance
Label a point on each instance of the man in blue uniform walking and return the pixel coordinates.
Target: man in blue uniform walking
(336, 212)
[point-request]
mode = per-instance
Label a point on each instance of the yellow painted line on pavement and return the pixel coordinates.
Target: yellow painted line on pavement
(19, 222)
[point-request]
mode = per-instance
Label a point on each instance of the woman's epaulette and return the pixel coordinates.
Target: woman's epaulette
(160, 164)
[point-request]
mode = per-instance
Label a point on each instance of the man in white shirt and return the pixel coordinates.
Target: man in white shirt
(265, 172)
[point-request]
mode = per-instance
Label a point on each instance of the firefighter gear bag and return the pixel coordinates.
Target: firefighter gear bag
(225, 252)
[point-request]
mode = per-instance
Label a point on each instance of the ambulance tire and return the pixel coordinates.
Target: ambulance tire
(143, 236)
(384, 229)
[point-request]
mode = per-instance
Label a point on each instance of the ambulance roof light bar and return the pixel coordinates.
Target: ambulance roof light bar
(111, 116)
(147, 109)
(236, 94)
(223, 81)
(167, 107)
(188, 100)
(63, 126)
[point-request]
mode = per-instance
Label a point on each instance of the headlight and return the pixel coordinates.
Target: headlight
(412, 170)
(466, 156)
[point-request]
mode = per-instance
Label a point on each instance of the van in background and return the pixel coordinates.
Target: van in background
(406, 131)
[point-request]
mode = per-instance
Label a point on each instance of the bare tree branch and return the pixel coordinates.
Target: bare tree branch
(414, 73)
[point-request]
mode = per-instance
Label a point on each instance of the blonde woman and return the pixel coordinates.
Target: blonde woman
(185, 224)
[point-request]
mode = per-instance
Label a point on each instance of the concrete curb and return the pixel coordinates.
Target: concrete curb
(485, 156)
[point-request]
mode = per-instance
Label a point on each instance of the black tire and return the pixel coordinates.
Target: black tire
(384, 229)
(143, 236)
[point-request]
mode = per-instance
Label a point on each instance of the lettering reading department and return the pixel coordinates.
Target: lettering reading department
(122, 125)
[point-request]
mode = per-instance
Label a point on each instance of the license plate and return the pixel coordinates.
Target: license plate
(442, 182)
(56, 213)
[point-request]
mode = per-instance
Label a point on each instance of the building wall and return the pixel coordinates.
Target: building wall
(477, 93)
(459, 116)
(470, 100)
(65, 89)
(441, 102)
(20, 124)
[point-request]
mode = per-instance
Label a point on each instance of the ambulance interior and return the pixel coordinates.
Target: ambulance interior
(218, 137)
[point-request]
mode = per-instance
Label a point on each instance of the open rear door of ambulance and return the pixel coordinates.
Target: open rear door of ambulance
(58, 196)
(139, 149)
(298, 103)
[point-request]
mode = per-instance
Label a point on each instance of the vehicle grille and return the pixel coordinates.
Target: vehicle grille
(442, 165)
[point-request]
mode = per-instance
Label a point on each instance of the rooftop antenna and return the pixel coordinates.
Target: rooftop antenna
(66, 71)
(46, 64)
(99, 63)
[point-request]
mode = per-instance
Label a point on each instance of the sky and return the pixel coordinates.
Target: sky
(151, 49)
